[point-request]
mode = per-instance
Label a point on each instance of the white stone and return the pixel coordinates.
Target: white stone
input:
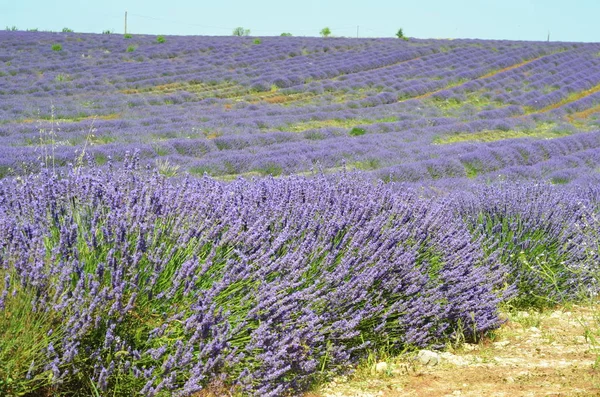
(381, 367)
(427, 357)
(454, 359)
(469, 347)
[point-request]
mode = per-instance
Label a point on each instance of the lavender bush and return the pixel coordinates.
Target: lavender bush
(142, 284)
(115, 279)
(266, 286)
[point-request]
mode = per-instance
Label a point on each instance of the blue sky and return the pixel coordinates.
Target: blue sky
(575, 20)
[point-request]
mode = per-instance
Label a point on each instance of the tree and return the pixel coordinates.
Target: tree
(400, 34)
(325, 32)
(240, 31)
(286, 34)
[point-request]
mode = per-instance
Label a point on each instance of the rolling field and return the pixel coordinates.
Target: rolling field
(245, 216)
(403, 110)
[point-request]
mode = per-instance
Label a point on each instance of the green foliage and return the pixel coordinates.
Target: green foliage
(5, 171)
(325, 32)
(107, 32)
(357, 131)
(368, 165)
(200, 170)
(131, 48)
(11, 28)
(240, 31)
(272, 169)
(472, 169)
(285, 34)
(62, 77)
(160, 39)
(56, 47)
(67, 30)
(400, 34)
(530, 252)
(166, 168)
(32, 30)
(257, 41)
(128, 35)
(25, 334)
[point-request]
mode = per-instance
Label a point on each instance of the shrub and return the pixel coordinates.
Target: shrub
(160, 39)
(325, 32)
(150, 286)
(67, 30)
(11, 28)
(356, 131)
(131, 48)
(107, 32)
(128, 35)
(56, 47)
(286, 34)
(400, 34)
(257, 41)
(240, 31)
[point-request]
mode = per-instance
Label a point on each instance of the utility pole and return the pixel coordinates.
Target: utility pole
(357, 31)
(548, 36)
(125, 22)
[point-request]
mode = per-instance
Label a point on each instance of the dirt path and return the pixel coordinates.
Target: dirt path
(554, 353)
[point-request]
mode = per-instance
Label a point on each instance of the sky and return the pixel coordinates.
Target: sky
(575, 20)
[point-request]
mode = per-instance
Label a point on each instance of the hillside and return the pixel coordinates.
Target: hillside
(443, 112)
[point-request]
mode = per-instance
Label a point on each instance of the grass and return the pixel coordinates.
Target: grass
(569, 99)
(25, 334)
(69, 119)
(543, 131)
(351, 124)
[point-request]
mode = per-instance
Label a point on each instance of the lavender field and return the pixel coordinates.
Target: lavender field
(403, 110)
(257, 215)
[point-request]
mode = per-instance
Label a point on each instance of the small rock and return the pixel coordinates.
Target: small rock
(453, 359)
(524, 374)
(427, 357)
(469, 347)
(534, 330)
(501, 344)
(381, 367)
(580, 339)
(509, 379)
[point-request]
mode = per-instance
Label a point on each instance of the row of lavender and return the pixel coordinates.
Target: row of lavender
(228, 106)
(122, 282)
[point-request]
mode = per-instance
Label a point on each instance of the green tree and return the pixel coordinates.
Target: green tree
(285, 34)
(325, 32)
(400, 34)
(240, 31)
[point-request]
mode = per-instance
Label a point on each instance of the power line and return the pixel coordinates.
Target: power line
(230, 28)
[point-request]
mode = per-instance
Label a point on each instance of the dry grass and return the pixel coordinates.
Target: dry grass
(533, 354)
